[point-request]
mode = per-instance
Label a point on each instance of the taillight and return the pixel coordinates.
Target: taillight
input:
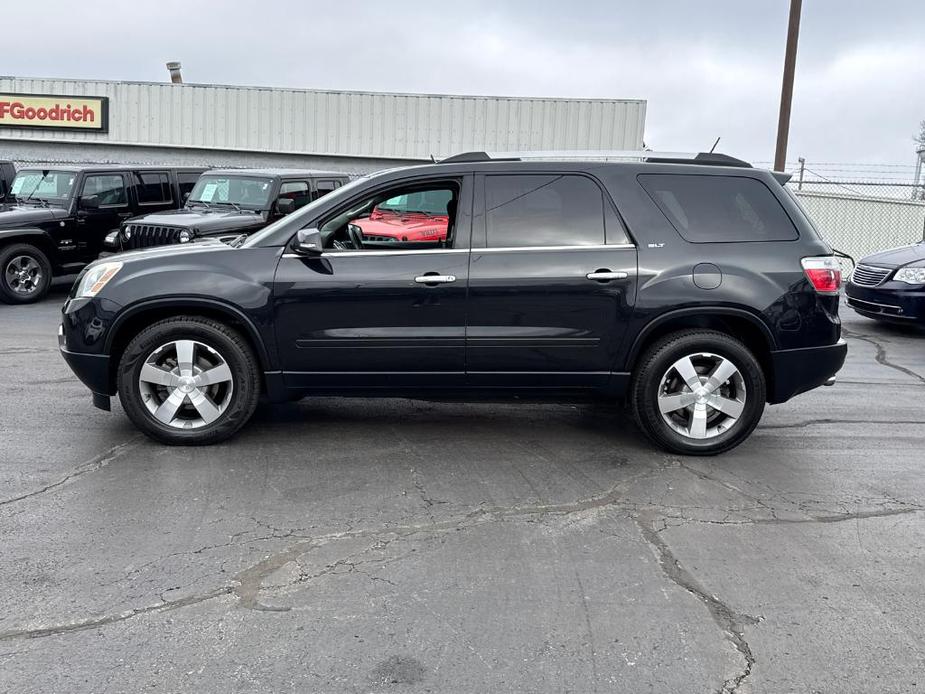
(824, 273)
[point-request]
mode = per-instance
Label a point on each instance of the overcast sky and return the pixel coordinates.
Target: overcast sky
(707, 68)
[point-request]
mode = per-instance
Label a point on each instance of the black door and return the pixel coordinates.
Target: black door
(389, 314)
(551, 283)
(110, 208)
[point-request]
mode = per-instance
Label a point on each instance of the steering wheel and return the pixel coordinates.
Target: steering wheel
(356, 236)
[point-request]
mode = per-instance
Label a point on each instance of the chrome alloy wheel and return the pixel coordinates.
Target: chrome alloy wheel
(186, 384)
(23, 274)
(701, 395)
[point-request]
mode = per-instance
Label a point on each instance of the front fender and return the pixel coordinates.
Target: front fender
(266, 354)
(213, 280)
(24, 232)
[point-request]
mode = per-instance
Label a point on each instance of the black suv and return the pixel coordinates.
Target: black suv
(696, 289)
(227, 203)
(55, 219)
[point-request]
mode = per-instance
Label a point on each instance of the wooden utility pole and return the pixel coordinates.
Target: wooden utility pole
(786, 92)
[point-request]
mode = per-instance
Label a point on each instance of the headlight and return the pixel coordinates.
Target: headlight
(185, 236)
(910, 275)
(96, 278)
(127, 234)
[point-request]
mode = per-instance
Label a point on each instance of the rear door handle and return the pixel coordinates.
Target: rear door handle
(435, 279)
(606, 275)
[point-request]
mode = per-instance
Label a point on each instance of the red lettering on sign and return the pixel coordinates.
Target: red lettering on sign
(18, 111)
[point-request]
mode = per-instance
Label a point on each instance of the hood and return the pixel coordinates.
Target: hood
(172, 250)
(24, 215)
(411, 226)
(897, 257)
(204, 221)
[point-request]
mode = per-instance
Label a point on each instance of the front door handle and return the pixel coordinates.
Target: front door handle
(435, 279)
(606, 275)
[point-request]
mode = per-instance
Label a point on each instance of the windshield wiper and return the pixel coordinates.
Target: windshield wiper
(192, 203)
(41, 201)
(235, 205)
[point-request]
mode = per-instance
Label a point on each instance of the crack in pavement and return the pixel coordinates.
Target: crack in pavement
(247, 585)
(832, 420)
(92, 623)
(728, 620)
(95, 463)
(835, 518)
(881, 355)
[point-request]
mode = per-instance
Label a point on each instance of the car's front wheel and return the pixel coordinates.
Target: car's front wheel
(698, 392)
(25, 274)
(189, 381)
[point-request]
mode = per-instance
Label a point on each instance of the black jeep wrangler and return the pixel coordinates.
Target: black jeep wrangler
(54, 219)
(225, 204)
(694, 289)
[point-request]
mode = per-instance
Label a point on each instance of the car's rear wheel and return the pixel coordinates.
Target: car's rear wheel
(189, 381)
(25, 274)
(698, 392)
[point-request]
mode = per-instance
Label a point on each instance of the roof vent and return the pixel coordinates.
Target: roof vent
(174, 68)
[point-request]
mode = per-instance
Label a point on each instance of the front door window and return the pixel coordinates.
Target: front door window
(418, 217)
(109, 189)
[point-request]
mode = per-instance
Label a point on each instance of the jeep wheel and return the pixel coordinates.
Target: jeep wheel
(189, 381)
(698, 392)
(25, 274)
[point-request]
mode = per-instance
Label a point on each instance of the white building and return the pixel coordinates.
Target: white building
(104, 121)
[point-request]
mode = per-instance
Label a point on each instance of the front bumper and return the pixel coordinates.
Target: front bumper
(796, 371)
(892, 301)
(81, 341)
(91, 369)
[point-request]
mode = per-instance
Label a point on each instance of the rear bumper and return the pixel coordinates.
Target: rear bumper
(796, 371)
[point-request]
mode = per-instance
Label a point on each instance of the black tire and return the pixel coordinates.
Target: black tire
(219, 340)
(12, 289)
(657, 363)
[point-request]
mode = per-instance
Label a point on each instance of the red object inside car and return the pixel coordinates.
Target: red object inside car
(414, 217)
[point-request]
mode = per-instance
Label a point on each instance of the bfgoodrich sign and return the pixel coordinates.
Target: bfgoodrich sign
(53, 111)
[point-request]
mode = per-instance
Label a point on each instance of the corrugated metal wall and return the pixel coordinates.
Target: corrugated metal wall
(352, 124)
(860, 225)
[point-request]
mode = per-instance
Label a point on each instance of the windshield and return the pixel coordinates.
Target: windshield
(243, 191)
(431, 202)
(296, 218)
(43, 186)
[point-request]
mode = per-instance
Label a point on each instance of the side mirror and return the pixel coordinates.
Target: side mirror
(90, 202)
(185, 197)
(285, 205)
(112, 240)
(308, 242)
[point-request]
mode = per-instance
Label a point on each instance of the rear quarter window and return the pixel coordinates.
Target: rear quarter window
(719, 209)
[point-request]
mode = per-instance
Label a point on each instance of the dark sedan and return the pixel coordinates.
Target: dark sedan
(890, 285)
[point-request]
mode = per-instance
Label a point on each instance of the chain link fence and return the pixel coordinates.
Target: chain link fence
(862, 208)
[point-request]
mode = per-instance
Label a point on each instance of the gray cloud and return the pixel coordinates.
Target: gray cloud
(707, 69)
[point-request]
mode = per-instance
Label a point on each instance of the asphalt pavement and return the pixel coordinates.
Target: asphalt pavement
(398, 545)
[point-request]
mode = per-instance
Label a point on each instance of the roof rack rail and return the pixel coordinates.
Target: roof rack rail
(709, 158)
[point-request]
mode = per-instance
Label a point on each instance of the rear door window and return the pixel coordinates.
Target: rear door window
(297, 191)
(543, 210)
(719, 209)
(153, 187)
(323, 187)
